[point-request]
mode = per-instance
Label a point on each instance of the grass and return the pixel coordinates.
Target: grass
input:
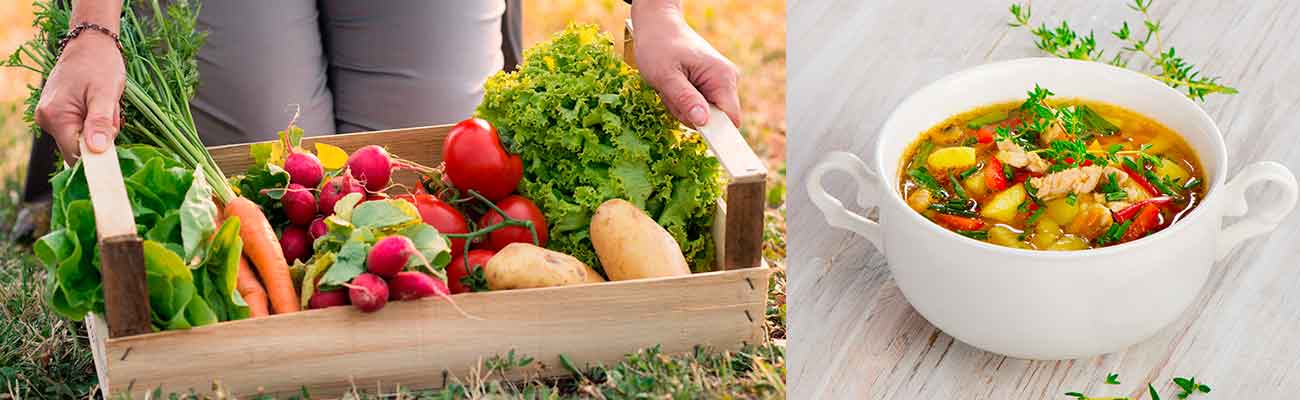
(45, 356)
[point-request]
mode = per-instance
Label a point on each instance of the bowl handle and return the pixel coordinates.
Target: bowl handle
(1268, 217)
(837, 215)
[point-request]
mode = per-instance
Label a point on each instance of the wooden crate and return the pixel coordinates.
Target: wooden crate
(419, 344)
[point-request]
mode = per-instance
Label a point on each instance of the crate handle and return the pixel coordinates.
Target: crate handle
(121, 255)
(746, 190)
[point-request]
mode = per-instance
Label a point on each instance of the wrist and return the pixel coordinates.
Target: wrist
(655, 11)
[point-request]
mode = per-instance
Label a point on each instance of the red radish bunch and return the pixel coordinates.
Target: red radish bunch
(299, 204)
(336, 188)
(304, 169)
(296, 243)
(371, 165)
(368, 292)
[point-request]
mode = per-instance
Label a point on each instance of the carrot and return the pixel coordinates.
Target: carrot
(252, 291)
(263, 250)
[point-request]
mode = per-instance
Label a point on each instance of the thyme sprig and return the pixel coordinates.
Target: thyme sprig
(1064, 42)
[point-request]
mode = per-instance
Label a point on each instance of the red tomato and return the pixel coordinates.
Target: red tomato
(456, 271)
(517, 207)
(1128, 212)
(441, 216)
(985, 134)
(993, 176)
(474, 159)
(958, 222)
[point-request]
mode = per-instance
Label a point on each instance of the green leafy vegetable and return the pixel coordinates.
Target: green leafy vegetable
(589, 129)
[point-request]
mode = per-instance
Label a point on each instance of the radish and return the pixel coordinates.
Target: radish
(318, 228)
(295, 243)
(304, 169)
(410, 285)
(368, 292)
(335, 189)
(299, 204)
(371, 165)
(330, 298)
(389, 255)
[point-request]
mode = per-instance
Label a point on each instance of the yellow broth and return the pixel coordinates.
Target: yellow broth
(1048, 208)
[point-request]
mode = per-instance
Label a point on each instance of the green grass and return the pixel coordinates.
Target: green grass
(41, 354)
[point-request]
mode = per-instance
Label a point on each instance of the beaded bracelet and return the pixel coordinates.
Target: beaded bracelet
(82, 27)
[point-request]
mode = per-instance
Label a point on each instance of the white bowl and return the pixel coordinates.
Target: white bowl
(1038, 304)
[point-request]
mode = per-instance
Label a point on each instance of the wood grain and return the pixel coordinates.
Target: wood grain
(126, 291)
(414, 342)
(853, 334)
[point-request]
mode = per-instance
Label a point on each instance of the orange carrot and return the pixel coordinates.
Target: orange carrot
(252, 291)
(263, 250)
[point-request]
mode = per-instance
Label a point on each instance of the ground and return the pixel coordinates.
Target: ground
(44, 356)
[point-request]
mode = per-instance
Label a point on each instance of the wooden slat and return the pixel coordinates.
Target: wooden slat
(422, 145)
(126, 294)
(413, 342)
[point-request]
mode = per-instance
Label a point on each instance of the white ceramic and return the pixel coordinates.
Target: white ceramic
(1038, 304)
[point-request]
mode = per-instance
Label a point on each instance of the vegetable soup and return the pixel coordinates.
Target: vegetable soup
(1051, 174)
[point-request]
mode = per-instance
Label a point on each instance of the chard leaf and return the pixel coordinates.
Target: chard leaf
(198, 215)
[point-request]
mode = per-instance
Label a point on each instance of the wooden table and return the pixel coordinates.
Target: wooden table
(853, 335)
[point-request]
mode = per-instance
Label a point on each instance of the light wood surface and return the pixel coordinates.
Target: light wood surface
(414, 342)
(121, 256)
(853, 335)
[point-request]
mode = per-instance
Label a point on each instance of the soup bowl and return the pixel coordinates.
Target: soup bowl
(1041, 304)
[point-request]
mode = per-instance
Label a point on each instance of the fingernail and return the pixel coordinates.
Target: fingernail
(98, 141)
(698, 116)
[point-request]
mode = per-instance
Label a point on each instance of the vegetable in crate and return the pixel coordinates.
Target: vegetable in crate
(355, 228)
(524, 266)
(633, 246)
(589, 129)
(191, 262)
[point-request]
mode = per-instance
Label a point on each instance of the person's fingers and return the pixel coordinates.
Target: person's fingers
(62, 125)
(101, 120)
(719, 86)
(683, 100)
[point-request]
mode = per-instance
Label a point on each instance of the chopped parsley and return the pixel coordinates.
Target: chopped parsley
(961, 207)
(1114, 233)
(977, 235)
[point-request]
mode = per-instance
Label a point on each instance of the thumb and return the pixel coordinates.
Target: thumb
(683, 100)
(100, 126)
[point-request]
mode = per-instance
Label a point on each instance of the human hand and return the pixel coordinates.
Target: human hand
(80, 98)
(687, 72)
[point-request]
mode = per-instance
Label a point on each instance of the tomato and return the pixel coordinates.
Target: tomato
(474, 159)
(517, 207)
(441, 216)
(456, 272)
(1128, 212)
(1146, 220)
(993, 176)
(985, 134)
(958, 222)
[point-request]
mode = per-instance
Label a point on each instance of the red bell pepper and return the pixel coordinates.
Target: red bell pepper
(1146, 221)
(958, 222)
(993, 177)
(984, 135)
(1127, 212)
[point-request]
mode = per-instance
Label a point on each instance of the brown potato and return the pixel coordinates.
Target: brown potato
(523, 265)
(630, 245)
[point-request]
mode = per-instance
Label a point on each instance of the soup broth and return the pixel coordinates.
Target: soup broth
(1050, 174)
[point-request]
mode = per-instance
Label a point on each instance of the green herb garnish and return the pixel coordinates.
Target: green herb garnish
(1189, 386)
(1112, 379)
(923, 178)
(1113, 233)
(969, 171)
(1072, 198)
(1094, 122)
(977, 235)
(1173, 70)
(956, 186)
(964, 208)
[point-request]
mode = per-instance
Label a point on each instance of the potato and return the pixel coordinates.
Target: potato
(1046, 232)
(1091, 221)
(1068, 242)
(951, 157)
(630, 245)
(523, 265)
(919, 200)
(1003, 236)
(1171, 169)
(975, 185)
(1002, 207)
(1061, 211)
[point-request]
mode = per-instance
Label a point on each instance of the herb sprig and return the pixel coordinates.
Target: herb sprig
(1175, 71)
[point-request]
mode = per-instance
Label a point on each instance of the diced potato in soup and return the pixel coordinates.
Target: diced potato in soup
(1092, 159)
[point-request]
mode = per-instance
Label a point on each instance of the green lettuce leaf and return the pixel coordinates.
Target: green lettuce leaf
(198, 215)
